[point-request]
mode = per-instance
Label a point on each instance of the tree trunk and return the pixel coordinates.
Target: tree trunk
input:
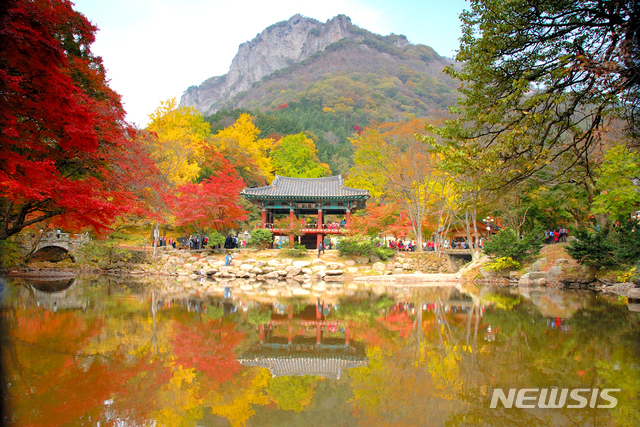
(475, 248)
(467, 227)
(156, 235)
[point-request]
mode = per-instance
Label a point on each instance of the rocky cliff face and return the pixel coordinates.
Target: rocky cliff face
(277, 47)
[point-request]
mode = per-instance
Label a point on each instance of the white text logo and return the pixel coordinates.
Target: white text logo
(554, 398)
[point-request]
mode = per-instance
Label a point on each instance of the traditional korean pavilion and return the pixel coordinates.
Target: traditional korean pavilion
(307, 196)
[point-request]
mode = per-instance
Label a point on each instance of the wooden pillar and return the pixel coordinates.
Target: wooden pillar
(291, 218)
(346, 335)
(264, 217)
(348, 220)
(261, 333)
(318, 334)
(319, 227)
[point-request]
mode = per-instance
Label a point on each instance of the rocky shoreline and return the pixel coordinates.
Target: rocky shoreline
(562, 273)
(265, 272)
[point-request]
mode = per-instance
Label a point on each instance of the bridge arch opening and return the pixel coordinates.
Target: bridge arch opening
(52, 254)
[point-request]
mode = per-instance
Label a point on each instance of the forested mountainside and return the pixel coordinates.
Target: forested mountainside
(330, 80)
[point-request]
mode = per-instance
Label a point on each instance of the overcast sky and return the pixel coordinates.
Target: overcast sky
(155, 49)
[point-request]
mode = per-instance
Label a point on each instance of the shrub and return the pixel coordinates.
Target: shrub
(364, 246)
(261, 237)
(296, 251)
(593, 249)
(504, 263)
(216, 239)
(507, 244)
(627, 276)
(611, 246)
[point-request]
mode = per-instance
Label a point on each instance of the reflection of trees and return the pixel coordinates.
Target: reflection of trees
(128, 357)
(237, 401)
(528, 354)
(292, 393)
(54, 380)
(417, 380)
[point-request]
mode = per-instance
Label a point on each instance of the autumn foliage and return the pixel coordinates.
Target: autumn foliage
(65, 149)
(213, 203)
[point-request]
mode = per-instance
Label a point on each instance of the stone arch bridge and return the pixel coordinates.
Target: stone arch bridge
(54, 242)
(458, 257)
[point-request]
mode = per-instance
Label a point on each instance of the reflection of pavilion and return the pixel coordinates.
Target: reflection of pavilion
(305, 355)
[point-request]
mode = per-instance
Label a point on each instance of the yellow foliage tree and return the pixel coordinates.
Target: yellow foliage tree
(243, 136)
(178, 139)
(395, 166)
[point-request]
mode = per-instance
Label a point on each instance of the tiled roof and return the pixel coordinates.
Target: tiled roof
(328, 366)
(329, 187)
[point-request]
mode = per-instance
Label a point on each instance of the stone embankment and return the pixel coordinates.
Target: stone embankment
(559, 273)
(266, 265)
(264, 273)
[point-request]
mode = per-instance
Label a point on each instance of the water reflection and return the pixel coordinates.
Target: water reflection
(105, 352)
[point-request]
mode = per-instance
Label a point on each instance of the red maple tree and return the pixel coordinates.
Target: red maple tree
(65, 149)
(381, 219)
(212, 204)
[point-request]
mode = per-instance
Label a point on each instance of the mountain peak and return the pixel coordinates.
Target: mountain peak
(278, 46)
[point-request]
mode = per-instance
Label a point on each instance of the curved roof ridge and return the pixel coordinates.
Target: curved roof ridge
(322, 178)
(323, 187)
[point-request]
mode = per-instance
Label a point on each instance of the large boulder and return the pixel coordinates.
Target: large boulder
(378, 266)
(301, 264)
(572, 273)
(292, 270)
(525, 280)
(634, 294)
(271, 275)
(333, 272)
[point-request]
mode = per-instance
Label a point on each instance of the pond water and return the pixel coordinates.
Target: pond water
(101, 352)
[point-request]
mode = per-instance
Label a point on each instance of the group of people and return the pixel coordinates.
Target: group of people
(191, 242)
(196, 242)
(400, 245)
(555, 236)
(334, 225)
(163, 241)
